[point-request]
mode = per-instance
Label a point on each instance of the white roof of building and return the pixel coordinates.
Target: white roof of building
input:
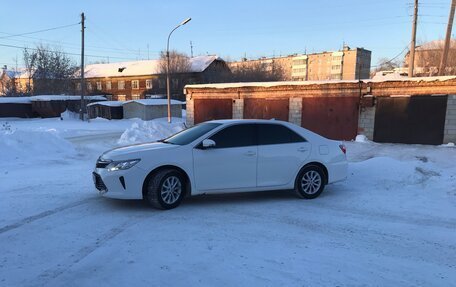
(155, 102)
(64, 98)
(142, 68)
(108, 103)
(306, 83)
(436, 45)
(15, 100)
(18, 74)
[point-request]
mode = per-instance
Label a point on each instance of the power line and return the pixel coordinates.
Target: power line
(39, 31)
(66, 53)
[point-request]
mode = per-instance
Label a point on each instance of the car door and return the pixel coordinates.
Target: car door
(231, 163)
(281, 153)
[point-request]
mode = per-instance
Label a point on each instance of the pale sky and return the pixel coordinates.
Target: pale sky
(121, 30)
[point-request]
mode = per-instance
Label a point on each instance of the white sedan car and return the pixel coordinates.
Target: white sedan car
(219, 157)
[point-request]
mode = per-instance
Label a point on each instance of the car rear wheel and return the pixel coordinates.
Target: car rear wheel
(310, 182)
(165, 190)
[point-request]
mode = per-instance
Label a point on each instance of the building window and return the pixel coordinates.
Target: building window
(135, 84)
(108, 85)
(149, 84)
(175, 84)
(161, 84)
(121, 97)
(121, 85)
(99, 86)
(135, 97)
(89, 86)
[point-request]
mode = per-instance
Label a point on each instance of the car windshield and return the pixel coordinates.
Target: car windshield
(187, 136)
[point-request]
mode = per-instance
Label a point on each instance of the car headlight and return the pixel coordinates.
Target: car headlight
(122, 164)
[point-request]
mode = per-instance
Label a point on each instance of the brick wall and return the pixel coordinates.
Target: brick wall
(190, 119)
(450, 120)
(366, 122)
(295, 112)
(238, 109)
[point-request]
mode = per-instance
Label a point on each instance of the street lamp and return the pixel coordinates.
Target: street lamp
(168, 92)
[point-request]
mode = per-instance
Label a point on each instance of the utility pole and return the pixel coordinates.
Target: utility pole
(413, 42)
(191, 49)
(82, 109)
(443, 61)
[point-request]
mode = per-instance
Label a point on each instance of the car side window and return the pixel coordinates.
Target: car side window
(277, 134)
(235, 136)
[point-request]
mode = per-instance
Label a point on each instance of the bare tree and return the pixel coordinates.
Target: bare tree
(385, 64)
(50, 69)
(178, 63)
(428, 56)
(256, 71)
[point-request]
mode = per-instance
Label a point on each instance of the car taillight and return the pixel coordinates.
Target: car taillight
(343, 148)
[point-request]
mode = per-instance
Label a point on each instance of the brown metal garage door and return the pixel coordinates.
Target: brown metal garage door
(412, 120)
(212, 109)
(266, 109)
(331, 117)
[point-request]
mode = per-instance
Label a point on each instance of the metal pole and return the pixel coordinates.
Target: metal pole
(413, 42)
(168, 90)
(443, 61)
(82, 108)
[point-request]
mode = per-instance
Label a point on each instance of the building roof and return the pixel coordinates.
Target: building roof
(307, 83)
(142, 68)
(155, 102)
(436, 45)
(18, 74)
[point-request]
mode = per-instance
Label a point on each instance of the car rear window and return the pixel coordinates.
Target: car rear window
(277, 134)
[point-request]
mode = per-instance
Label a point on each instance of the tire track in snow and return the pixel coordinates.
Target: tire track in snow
(48, 275)
(46, 213)
(380, 242)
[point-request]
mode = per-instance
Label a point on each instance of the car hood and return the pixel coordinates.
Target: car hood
(134, 151)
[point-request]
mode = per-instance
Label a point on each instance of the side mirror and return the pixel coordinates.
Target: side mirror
(207, 143)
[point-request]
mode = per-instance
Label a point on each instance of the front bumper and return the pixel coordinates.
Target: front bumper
(122, 184)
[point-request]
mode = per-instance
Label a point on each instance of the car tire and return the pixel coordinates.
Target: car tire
(310, 182)
(165, 189)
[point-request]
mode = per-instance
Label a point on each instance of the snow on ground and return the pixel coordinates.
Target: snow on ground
(392, 223)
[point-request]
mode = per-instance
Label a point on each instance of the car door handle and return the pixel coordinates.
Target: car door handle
(250, 153)
(302, 149)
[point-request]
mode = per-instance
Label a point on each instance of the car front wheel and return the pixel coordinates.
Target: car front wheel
(310, 182)
(165, 190)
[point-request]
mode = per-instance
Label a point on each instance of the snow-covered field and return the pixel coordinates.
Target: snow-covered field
(392, 223)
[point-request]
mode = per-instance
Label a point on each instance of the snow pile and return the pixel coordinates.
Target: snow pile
(450, 144)
(149, 131)
(29, 145)
(361, 139)
(69, 115)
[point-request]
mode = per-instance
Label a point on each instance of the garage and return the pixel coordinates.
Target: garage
(333, 117)
(212, 109)
(410, 119)
(266, 108)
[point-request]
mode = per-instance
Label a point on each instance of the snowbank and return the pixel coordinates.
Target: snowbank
(149, 131)
(19, 145)
(361, 139)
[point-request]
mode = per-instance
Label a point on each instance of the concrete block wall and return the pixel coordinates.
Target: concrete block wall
(190, 118)
(450, 120)
(238, 109)
(366, 122)
(295, 111)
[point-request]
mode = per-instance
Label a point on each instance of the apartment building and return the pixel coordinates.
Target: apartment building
(346, 64)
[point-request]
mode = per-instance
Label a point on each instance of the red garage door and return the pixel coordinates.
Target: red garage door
(266, 109)
(212, 109)
(331, 117)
